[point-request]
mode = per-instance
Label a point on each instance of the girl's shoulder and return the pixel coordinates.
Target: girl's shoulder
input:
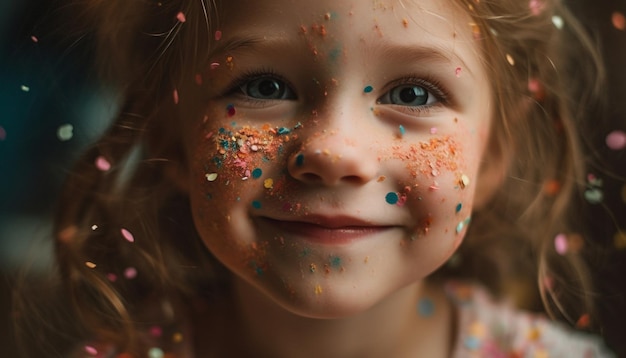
(487, 328)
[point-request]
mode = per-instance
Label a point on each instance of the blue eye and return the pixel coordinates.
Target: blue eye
(408, 95)
(267, 88)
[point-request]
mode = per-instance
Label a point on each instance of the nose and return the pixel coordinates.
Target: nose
(333, 158)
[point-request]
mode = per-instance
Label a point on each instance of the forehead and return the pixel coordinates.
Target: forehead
(439, 24)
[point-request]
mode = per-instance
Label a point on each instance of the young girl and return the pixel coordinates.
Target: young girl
(331, 178)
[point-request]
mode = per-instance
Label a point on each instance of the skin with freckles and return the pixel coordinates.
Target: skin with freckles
(333, 166)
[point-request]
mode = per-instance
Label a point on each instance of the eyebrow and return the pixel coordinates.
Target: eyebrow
(399, 52)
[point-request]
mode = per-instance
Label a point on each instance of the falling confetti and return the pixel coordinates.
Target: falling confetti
(3, 133)
(156, 353)
(90, 264)
(426, 307)
(616, 140)
(510, 60)
(34, 39)
(618, 20)
(25, 88)
(102, 164)
(560, 244)
(130, 273)
(181, 17)
(175, 96)
(65, 132)
(557, 21)
(91, 350)
(127, 235)
(218, 35)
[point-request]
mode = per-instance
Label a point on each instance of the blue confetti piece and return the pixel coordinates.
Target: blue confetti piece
(459, 206)
(256, 204)
(368, 89)
(335, 261)
(402, 130)
(392, 198)
(284, 130)
(256, 173)
(426, 307)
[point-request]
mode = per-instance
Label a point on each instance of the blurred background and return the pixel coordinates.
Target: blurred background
(51, 107)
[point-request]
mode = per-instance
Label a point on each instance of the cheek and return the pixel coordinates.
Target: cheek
(437, 189)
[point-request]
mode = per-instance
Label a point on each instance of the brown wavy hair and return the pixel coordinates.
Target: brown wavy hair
(145, 52)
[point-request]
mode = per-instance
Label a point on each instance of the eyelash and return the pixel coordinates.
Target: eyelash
(431, 84)
(252, 75)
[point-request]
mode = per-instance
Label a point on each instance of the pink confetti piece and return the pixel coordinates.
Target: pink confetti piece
(127, 235)
(560, 244)
(433, 130)
(218, 35)
(175, 96)
(457, 72)
(616, 140)
(102, 164)
(34, 39)
(215, 65)
(156, 331)
(536, 7)
(91, 350)
(111, 277)
(130, 273)
(618, 20)
(181, 17)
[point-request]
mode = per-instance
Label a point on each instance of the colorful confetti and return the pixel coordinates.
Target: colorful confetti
(127, 235)
(458, 208)
(510, 60)
(230, 110)
(102, 164)
(257, 173)
(91, 350)
(426, 307)
(211, 176)
(268, 183)
(218, 35)
(618, 20)
(392, 198)
(318, 290)
(402, 130)
(557, 21)
(181, 17)
(25, 88)
(300, 159)
(560, 244)
(65, 132)
(175, 96)
(130, 273)
(256, 204)
(616, 140)
(34, 39)
(368, 89)
(90, 264)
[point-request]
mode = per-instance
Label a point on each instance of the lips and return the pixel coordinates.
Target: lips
(334, 230)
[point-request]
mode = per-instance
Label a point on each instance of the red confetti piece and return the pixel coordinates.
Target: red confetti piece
(583, 321)
(175, 96)
(616, 140)
(181, 17)
(218, 35)
(198, 79)
(127, 235)
(457, 72)
(618, 20)
(156, 331)
(102, 164)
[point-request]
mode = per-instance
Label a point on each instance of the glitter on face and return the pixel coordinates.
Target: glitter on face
(392, 198)
(368, 89)
(462, 225)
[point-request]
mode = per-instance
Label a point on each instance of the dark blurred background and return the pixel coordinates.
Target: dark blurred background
(51, 107)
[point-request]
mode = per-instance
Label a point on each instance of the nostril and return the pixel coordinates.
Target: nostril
(352, 179)
(311, 177)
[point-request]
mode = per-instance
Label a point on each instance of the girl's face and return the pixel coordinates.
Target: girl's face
(336, 158)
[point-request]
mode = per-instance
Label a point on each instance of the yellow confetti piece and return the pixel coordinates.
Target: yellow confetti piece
(318, 290)
(510, 60)
(211, 177)
(619, 240)
(268, 183)
(464, 181)
(90, 264)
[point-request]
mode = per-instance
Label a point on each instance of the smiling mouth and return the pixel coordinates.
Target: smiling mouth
(331, 232)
